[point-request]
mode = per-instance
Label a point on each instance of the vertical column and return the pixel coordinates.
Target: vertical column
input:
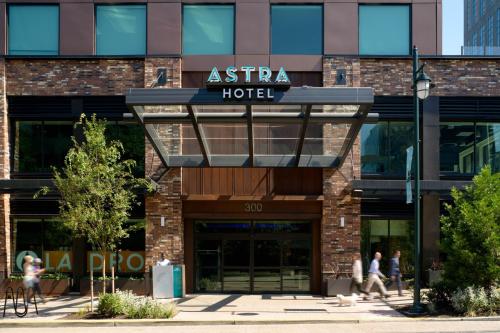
(339, 243)
(166, 203)
(430, 164)
(5, 253)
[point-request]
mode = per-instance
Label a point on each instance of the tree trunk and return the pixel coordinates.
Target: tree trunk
(103, 272)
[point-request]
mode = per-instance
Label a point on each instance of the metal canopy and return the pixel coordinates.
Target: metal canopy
(299, 127)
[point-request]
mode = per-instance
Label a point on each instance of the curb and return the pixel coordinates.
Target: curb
(9, 323)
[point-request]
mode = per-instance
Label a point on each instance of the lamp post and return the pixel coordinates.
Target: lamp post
(421, 88)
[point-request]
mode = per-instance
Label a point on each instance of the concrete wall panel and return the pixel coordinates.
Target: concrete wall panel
(340, 28)
(164, 28)
(77, 29)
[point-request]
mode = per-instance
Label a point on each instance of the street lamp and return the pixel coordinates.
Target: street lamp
(421, 88)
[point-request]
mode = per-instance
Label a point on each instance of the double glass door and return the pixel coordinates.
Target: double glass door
(252, 256)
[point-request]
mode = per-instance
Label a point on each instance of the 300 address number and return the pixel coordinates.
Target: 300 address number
(253, 207)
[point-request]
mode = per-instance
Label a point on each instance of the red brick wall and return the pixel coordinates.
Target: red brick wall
(5, 255)
(166, 202)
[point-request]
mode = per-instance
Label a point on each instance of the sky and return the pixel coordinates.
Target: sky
(453, 26)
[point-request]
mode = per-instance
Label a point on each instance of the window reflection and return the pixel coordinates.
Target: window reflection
(383, 147)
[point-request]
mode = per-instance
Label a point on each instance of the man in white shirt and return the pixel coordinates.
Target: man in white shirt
(163, 261)
(374, 276)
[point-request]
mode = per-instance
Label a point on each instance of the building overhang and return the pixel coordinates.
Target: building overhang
(297, 127)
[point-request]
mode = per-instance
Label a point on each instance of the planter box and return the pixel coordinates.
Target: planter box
(138, 287)
(435, 276)
(49, 287)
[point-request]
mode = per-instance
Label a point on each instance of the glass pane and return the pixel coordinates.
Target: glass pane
(297, 253)
(120, 29)
(267, 253)
(208, 29)
(28, 235)
(33, 29)
(132, 138)
(401, 238)
(297, 29)
(296, 280)
(400, 138)
(374, 148)
(57, 236)
(208, 280)
(28, 147)
(236, 253)
(457, 148)
(283, 226)
(325, 139)
(384, 29)
(56, 142)
(236, 280)
(488, 146)
(268, 280)
(136, 240)
(208, 253)
(222, 227)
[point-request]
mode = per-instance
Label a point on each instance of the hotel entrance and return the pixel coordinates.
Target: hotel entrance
(242, 256)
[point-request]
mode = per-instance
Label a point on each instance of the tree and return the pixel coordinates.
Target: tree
(97, 188)
(471, 233)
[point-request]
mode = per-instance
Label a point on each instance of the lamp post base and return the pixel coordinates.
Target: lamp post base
(417, 309)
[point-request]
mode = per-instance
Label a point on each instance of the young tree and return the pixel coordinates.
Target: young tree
(97, 188)
(471, 233)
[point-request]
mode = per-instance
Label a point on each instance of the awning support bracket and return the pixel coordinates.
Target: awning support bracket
(306, 111)
(199, 135)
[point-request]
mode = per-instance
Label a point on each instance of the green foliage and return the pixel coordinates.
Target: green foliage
(110, 305)
(97, 187)
(125, 303)
(476, 301)
(471, 234)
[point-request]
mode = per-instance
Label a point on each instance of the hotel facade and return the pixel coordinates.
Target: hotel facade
(275, 132)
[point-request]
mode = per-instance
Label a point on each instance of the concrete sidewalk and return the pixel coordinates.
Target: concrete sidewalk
(235, 309)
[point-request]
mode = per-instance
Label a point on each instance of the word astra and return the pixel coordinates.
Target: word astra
(265, 74)
(248, 93)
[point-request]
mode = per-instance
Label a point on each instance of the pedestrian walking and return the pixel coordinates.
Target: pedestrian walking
(374, 275)
(38, 271)
(357, 275)
(395, 273)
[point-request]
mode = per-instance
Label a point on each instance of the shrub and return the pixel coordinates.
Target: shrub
(471, 234)
(110, 305)
(475, 301)
(133, 306)
(439, 296)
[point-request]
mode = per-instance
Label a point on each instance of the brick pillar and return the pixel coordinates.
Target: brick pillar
(339, 243)
(5, 253)
(166, 202)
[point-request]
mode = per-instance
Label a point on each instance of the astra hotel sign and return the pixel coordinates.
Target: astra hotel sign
(240, 84)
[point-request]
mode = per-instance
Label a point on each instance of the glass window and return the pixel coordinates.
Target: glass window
(386, 236)
(132, 138)
(33, 29)
(383, 147)
(384, 29)
(41, 144)
(457, 148)
(120, 29)
(296, 29)
(208, 29)
(488, 146)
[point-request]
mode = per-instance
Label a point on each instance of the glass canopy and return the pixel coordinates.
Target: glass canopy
(300, 127)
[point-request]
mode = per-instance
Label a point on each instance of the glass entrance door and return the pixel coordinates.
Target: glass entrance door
(252, 256)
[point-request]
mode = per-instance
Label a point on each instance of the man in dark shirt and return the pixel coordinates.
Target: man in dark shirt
(395, 273)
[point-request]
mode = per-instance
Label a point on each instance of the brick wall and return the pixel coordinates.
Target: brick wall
(166, 202)
(5, 253)
(339, 243)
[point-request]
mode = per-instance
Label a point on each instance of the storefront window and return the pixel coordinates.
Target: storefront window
(296, 29)
(41, 144)
(132, 138)
(48, 239)
(386, 236)
(33, 29)
(467, 147)
(120, 29)
(384, 29)
(383, 147)
(208, 29)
